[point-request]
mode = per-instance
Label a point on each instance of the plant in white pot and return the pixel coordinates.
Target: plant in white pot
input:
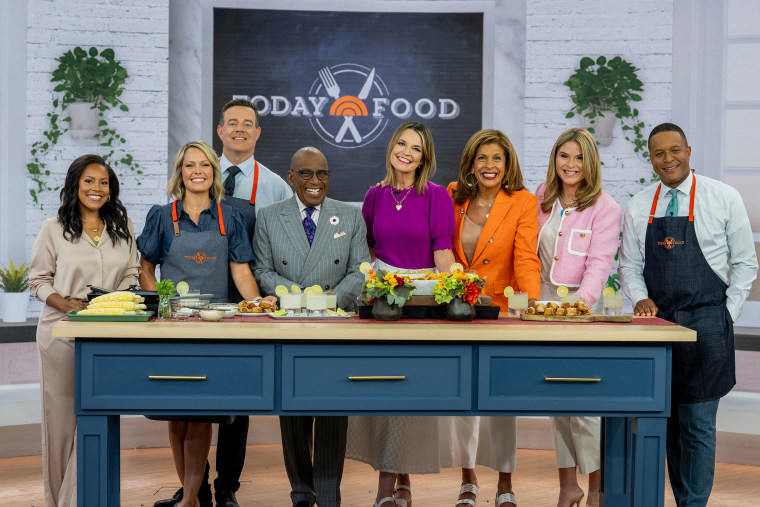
(15, 301)
(90, 83)
(602, 90)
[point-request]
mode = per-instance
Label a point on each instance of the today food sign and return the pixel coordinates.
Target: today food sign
(324, 79)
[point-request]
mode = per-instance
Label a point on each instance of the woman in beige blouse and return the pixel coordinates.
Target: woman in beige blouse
(91, 241)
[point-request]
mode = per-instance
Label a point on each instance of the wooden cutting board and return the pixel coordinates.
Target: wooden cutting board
(592, 317)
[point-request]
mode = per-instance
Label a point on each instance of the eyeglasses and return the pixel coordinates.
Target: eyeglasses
(307, 174)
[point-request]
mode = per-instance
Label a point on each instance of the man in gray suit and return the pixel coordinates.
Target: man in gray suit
(306, 240)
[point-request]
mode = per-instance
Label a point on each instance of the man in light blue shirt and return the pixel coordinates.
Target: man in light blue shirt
(688, 256)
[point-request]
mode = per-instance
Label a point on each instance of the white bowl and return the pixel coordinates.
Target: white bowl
(424, 287)
(212, 315)
(229, 310)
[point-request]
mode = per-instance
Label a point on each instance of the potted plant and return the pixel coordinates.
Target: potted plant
(89, 83)
(165, 289)
(389, 293)
(15, 301)
(603, 90)
(459, 291)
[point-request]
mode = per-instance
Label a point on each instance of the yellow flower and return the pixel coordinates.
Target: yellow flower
(392, 282)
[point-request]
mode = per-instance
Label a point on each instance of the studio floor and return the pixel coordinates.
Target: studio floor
(148, 475)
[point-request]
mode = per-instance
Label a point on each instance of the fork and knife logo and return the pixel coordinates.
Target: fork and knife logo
(347, 106)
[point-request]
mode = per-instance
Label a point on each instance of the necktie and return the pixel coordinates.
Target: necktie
(308, 224)
(672, 210)
(229, 182)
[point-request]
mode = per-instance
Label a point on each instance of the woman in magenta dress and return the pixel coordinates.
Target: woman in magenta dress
(410, 223)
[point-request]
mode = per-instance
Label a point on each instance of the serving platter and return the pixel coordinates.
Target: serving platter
(591, 317)
(74, 317)
(309, 317)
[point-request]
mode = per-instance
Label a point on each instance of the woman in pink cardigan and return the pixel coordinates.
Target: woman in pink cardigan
(579, 230)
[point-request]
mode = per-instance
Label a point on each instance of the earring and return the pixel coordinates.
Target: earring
(108, 198)
(468, 182)
(506, 185)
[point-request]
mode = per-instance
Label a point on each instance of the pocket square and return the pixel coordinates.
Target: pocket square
(339, 234)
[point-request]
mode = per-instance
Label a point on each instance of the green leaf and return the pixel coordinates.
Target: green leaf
(124, 108)
(586, 62)
(93, 52)
(570, 114)
(601, 60)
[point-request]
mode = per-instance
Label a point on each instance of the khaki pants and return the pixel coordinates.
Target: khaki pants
(59, 467)
(577, 441)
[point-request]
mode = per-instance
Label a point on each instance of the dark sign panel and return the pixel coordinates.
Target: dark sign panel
(344, 81)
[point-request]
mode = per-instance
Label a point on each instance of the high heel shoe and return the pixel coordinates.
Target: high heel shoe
(380, 502)
(402, 502)
(577, 501)
(467, 488)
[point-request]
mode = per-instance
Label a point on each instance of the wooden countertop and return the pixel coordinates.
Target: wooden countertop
(264, 328)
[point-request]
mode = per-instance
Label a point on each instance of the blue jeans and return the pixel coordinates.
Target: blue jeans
(691, 451)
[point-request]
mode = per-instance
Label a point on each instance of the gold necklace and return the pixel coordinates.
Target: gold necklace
(96, 237)
(567, 204)
(486, 207)
(398, 203)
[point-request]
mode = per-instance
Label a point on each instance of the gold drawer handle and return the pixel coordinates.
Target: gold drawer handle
(572, 379)
(379, 377)
(176, 377)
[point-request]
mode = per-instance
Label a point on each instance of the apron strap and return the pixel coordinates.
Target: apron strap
(221, 219)
(175, 219)
(255, 182)
(691, 199)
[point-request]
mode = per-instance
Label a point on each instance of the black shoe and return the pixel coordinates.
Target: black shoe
(204, 498)
(225, 499)
(302, 503)
(170, 502)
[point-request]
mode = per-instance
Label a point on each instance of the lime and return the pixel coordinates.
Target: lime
(456, 267)
(608, 291)
(295, 289)
(280, 313)
(308, 291)
(331, 312)
(563, 291)
(365, 267)
(182, 288)
(280, 290)
(509, 291)
(316, 289)
(341, 311)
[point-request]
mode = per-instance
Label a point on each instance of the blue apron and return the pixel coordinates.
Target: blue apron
(687, 292)
(199, 258)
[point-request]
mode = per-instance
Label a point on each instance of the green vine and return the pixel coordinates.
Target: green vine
(83, 76)
(609, 86)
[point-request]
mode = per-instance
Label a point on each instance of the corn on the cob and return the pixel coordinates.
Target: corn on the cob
(126, 305)
(118, 296)
(103, 311)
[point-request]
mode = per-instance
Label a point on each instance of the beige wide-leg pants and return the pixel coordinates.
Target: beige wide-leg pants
(56, 360)
(577, 442)
(488, 441)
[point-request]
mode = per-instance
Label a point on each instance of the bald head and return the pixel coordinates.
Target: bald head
(309, 176)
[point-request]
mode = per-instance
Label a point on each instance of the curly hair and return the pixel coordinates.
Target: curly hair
(512, 179)
(113, 213)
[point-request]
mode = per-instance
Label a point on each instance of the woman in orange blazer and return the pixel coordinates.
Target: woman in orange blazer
(495, 235)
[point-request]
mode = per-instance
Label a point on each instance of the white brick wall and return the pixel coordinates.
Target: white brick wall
(558, 35)
(138, 32)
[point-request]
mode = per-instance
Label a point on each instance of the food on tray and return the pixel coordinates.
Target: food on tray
(258, 306)
(118, 296)
(115, 303)
(281, 312)
(339, 312)
(553, 308)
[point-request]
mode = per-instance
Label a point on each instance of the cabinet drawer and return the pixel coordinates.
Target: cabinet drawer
(574, 378)
(132, 377)
(361, 378)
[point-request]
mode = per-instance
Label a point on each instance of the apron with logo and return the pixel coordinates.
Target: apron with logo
(688, 292)
(248, 209)
(199, 258)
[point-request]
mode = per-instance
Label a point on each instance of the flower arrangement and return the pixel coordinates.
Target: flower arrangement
(394, 288)
(467, 286)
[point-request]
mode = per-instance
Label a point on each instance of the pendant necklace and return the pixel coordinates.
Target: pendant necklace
(96, 238)
(567, 204)
(398, 203)
(486, 207)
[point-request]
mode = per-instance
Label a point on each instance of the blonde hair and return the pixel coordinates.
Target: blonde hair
(176, 187)
(426, 170)
(591, 186)
(512, 179)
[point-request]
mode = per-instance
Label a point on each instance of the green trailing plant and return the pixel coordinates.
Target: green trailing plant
(602, 86)
(14, 279)
(83, 76)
